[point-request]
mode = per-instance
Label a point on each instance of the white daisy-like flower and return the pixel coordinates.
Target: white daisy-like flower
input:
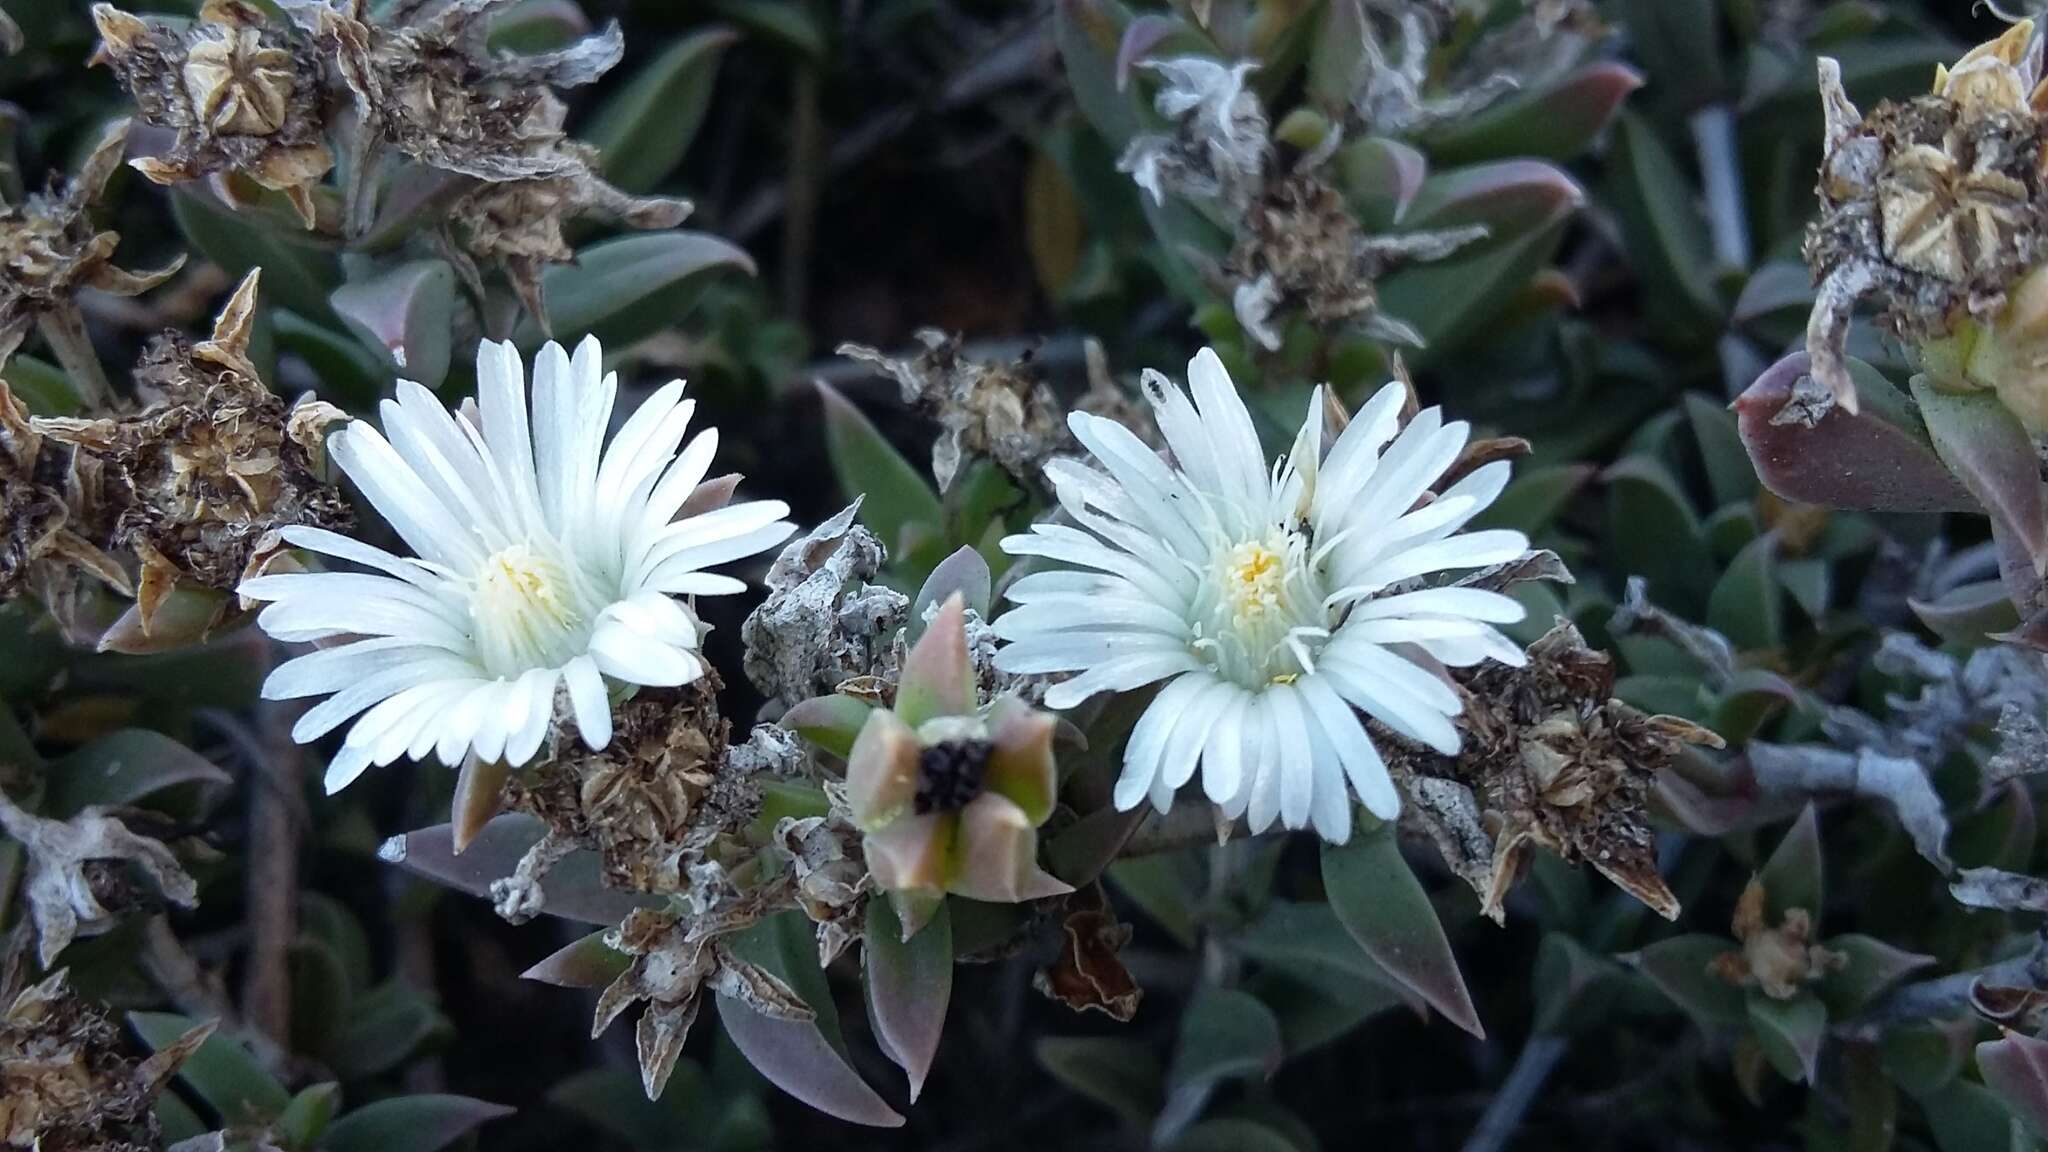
(542, 559)
(1275, 603)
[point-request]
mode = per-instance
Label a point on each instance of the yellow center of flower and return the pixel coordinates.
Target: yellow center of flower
(1261, 610)
(1257, 577)
(526, 612)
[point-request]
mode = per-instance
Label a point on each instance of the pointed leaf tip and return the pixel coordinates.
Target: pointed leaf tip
(1388, 913)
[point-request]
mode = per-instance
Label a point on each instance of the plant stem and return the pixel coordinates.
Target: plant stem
(806, 173)
(1713, 134)
(1539, 1057)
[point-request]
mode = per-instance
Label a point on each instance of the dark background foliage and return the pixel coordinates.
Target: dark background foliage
(905, 164)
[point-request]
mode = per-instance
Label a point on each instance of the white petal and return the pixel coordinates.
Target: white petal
(332, 669)
(539, 687)
(348, 763)
(1238, 455)
(1354, 748)
(324, 716)
(1374, 685)
(589, 701)
(1149, 738)
(1223, 754)
(622, 654)
(1184, 751)
(1119, 675)
(1294, 755)
(427, 526)
(356, 552)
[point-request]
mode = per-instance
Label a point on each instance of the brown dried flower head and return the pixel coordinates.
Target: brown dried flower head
(49, 518)
(1780, 959)
(653, 800)
(426, 84)
(1302, 250)
(207, 473)
(1934, 208)
(69, 1081)
(243, 93)
(50, 251)
(1004, 412)
(1555, 761)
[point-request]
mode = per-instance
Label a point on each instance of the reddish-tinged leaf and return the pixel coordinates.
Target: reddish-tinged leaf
(1381, 176)
(1388, 913)
(796, 1057)
(1879, 460)
(909, 985)
(587, 963)
(1155, 34)
(937, 677)
(574, 889)
(405, 316)
(479, 796)
(1557, 123)
(1988, 450)
(1509, 197)
(2016, 1067)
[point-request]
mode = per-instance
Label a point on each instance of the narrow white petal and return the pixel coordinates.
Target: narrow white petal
(1149, 738)
(1223, 754)
(589, 701)
(1297, 767)
(1354, 748)
(539, 689)
(1119, 675)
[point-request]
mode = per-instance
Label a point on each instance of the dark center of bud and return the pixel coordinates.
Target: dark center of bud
(949, 775)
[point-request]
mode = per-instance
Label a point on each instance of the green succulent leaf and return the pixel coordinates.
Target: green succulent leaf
(223, 1073)
(410, 1124)
(646, 128)
(1790, 1032)
(1225, 1034)
(897, 501)
(1388, 913)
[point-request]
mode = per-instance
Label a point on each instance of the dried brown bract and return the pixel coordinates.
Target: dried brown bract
(69, 1081)
(675, 959)
(243, 93)
(1552, 760)
(50, 251)
(652, 801)
(1934, 208)
(1778, 959)
(1302, 249)
(1089, 974)
(426, 84)
(1004, 412)
(50, 517)
(213, 467)
(517, 225)
(822, 623)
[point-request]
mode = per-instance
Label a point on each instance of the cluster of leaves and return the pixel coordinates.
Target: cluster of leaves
(1577, 224)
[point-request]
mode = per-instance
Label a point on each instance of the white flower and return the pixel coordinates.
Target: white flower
(1273, 602)
(542, 559)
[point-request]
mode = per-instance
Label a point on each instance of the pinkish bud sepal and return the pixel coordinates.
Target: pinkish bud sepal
(949, 796)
